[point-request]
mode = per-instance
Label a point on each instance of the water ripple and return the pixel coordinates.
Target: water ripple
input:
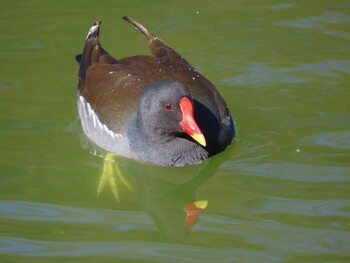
(338, 207)
(145, 250)
(32, 211)
(268, 236)
(315, 22)
(267, 74)
(337, 33)
(336, 139)
(272, 235)
(295, 171)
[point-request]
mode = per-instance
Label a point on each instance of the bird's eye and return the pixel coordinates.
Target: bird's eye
(167, 106)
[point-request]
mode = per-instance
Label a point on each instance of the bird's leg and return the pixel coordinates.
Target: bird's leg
(111, 174)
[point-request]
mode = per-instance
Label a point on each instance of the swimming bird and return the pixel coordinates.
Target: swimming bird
(154, 108)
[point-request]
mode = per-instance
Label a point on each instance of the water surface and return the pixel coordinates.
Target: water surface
(279, 193)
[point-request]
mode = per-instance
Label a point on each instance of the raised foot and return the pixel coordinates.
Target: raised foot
(112, 175)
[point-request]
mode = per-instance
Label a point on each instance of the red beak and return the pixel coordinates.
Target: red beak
(188, 123)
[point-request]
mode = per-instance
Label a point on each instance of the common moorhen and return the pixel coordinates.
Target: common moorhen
(157, 109)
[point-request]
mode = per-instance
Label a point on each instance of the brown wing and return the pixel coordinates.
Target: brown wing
(113, 87)
(175, 66)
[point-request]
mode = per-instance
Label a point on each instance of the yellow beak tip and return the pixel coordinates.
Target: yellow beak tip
(201, 204)
(200, 139)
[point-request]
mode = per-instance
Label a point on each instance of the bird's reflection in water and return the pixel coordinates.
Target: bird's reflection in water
(166, 194)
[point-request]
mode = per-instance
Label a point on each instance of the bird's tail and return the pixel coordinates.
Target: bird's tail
(93, 51)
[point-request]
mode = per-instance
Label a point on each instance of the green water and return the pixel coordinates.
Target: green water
(279, 193)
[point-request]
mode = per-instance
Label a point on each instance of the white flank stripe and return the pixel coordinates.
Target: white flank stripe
(90, 116)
